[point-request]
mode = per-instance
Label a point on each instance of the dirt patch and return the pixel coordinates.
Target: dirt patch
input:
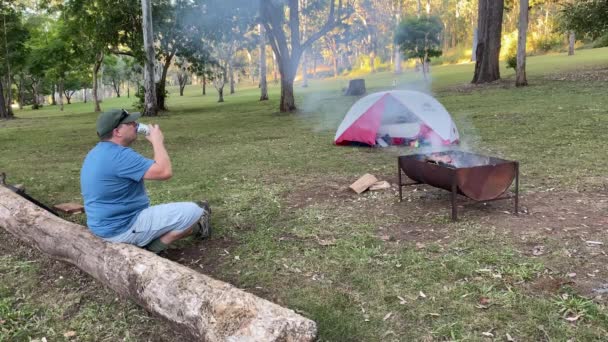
(206, 256)
(563, 230)
(467, 88)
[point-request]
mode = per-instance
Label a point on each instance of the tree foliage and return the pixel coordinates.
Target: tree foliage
(420, 37)
(585, 17)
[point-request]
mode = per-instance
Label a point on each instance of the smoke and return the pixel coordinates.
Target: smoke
(327, 108)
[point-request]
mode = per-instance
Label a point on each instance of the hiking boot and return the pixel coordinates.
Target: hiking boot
(204, 223)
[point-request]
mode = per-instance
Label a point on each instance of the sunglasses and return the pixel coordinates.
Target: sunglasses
(123, 116)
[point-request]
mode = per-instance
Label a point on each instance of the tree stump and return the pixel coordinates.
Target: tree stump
(355, 87)
(208, 309)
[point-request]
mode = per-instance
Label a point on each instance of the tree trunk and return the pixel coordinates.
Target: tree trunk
(231, 77)
(475, 42)
(3, 111)
(207, 309)
(304, 71)
(160, 96)
(335, 64)
(288, 102)
(372, 61)
(116, 88)
(398, 58)
(220, 94)
(263, 81)
(520, 71)
(275, 77)
(96, 67)
(183, 79)
(84, 96)
(68, 96)
(20, 96)
(204, 84)
(314, 66)
(128, 89)
(489, 22)
(53, 99)
(9, 97)
(60, 93)
(150, 106)
(34, 87)
(571, 41)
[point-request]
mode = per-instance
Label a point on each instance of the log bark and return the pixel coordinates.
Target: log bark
(208, 309)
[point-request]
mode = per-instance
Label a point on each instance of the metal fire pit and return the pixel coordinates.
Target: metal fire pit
(478, 177)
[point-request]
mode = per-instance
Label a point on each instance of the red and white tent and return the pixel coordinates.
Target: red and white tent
(401, 117)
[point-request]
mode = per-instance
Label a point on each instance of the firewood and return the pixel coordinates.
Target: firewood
(69, 208)
(363, 183)
(381, 185)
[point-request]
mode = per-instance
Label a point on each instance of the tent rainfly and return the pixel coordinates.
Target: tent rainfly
(399, 117)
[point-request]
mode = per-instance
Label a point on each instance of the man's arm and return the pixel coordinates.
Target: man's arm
(161, 169)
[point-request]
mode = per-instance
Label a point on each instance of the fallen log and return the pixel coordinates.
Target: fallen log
(208, 309)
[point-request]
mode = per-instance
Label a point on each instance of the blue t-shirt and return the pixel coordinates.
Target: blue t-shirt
(112, 185)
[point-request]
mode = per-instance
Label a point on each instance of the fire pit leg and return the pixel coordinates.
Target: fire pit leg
(453, 198)
(516, 200)
(400, 184)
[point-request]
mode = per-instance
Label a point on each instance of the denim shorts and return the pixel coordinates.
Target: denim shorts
(158, 220)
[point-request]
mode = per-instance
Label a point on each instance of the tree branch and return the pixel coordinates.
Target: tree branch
(329, 24)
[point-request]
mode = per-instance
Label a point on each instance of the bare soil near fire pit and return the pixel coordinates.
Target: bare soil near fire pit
(563, 230)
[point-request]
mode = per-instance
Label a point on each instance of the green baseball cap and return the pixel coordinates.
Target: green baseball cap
(110, 119)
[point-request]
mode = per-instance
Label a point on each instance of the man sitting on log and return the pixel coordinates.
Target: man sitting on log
(115, 199)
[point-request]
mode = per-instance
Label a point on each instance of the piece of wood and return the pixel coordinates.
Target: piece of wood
(381, 185)
(363, 183)
(69, 208)
(208, 309)
(356, 87)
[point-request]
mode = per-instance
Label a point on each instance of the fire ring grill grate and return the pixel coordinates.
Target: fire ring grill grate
(478, 177)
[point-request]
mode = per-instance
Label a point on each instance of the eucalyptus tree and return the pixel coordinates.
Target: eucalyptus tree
(282, 22)
(103, 27)
(333, 45)
(487, 51)
(588, 18)
(372, 16)
(175, 29)
(263, 71)
(419, 37)
(240, 17)
(77, 79)
(150, 91)
(36, 63)
(520, 70)
(13, 52)
(115, 72)
(182, 74)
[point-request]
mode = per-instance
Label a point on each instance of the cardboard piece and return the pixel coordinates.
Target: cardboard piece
(363, 183)
(69, 208)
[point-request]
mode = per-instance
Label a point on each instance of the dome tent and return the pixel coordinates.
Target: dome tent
(399, 117)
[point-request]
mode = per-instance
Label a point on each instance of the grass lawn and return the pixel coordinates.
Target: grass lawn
(364, 267)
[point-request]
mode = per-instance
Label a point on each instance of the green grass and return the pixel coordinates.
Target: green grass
(254, 164)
